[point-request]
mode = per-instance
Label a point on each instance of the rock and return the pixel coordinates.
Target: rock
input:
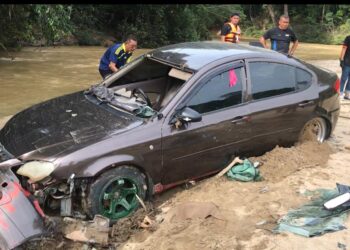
(95, 231)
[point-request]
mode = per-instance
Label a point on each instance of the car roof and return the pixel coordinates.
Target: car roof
(195, 55)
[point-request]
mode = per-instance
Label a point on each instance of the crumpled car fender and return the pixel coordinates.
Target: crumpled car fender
(98, 166)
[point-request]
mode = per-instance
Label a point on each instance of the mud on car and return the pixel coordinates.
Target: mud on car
(175, 114)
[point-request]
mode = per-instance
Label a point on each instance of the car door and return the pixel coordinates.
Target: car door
(206, 146)
(282, 99)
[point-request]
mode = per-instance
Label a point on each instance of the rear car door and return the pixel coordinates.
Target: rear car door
(282, 98)
(203, 147)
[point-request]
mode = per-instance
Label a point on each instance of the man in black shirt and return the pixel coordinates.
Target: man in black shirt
(345, 66)
(281, 37)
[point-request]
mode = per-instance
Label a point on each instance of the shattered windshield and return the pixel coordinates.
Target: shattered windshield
(134, 104)
(142, 88)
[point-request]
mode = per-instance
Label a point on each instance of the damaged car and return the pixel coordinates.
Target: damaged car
(172, 115)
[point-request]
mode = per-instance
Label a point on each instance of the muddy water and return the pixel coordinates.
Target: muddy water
(38, 74)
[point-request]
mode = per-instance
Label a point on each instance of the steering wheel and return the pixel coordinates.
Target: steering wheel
(137, 92)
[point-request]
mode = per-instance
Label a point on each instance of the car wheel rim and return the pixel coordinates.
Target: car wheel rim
(315, 130)
(118, 198)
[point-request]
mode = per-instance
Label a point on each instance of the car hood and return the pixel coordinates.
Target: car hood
(63, 124)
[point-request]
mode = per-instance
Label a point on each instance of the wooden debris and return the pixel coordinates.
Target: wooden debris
(222, 172)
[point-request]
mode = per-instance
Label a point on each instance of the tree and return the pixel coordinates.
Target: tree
(272, 13)
(285, 9)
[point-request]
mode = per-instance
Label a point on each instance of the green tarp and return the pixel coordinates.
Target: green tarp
(244, 172)
(313, 219)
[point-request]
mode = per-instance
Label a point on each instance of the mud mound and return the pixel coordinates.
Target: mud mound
(282, 162)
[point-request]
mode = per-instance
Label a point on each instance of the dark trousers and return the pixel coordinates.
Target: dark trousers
(344, 80)
(104, 73)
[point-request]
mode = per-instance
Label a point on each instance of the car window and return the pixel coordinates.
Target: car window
(221, 91)
(270, 79)
(304, 79)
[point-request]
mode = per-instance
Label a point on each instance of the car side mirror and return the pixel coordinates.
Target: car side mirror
(186, 115)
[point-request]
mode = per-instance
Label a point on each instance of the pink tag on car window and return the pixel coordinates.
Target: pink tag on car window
(233, 78)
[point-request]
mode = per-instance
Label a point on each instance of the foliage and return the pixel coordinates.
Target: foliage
(53, 20)
(15, 25)
(158, 25)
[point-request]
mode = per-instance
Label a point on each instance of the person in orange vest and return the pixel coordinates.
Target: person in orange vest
(231, 32)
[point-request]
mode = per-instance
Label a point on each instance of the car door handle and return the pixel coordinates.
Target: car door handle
(240, 119)
(306, 103)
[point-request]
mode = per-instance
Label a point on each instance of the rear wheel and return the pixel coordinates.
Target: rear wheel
(113, 194)
(314, 130)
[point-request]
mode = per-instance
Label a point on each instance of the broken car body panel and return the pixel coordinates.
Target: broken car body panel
(19, 221)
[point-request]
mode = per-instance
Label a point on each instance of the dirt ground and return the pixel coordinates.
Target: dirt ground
(242, 214)
(251, 210)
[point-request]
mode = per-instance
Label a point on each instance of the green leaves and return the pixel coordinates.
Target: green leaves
(53, 21)
(158, 25)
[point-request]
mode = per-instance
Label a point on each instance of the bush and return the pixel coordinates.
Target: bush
(252, 32)
(340, 34)
(86, 37)
(312, 33)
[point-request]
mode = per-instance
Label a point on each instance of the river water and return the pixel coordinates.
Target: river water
(38, 74)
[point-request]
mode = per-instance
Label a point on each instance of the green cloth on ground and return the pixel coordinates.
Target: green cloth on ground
(313, 219)
(244, 172)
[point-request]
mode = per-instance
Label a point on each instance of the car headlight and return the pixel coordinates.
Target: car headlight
(36, 170)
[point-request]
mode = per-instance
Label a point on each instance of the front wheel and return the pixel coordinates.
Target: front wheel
(314, 130)
(113, 194)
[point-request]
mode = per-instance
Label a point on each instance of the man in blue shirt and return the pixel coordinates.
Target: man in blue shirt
(116, 56)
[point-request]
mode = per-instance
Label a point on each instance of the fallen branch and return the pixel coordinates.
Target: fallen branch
(141, 202)
(342, 116)
(222, 172)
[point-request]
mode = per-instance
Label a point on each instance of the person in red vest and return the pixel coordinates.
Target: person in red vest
(231, 32)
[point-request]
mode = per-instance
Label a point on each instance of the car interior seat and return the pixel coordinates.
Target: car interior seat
(172, 88)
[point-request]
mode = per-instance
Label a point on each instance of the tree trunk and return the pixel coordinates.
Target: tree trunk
(285, 9)
(323, 11)
(272, 14)
(250, 14)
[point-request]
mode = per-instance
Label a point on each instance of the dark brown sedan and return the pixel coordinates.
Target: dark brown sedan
(175, 114)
